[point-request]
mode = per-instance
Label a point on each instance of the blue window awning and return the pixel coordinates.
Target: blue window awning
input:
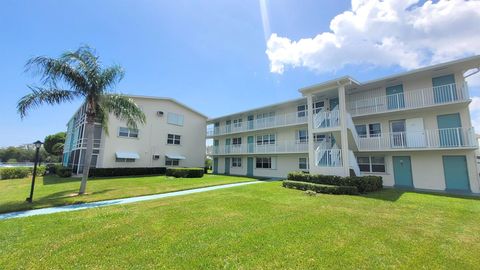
(131, 155)
(170, 156)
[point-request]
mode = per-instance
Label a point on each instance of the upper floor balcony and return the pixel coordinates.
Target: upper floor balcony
(446, 138)
(274, 121)
(414, 99)
(279, 147)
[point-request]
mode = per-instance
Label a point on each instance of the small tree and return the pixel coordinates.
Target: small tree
(83, 76)
(53, 144)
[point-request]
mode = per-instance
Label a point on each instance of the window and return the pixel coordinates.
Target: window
(127, 132)
(303, 163)
(302, 136)
(318, 106)
(361, 130)
(371, 164)
(266, 139)
(263, 162)
(237, 141)
(266, 116)
(301, 110)
(237, 123)
(374, 130)
(237, 162)
(171, 162)
(124, 160)
(175, 119)
(173, 139)
(319, 137)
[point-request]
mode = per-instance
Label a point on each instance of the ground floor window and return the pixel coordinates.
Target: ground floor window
(236, 162)
(124, 160)
(171, 162)
(303, 163)
(371, 164)
(263, 162)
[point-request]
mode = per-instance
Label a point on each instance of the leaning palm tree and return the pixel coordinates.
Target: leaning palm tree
(79, 74)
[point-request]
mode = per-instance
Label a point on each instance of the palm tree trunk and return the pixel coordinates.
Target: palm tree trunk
(88, 153)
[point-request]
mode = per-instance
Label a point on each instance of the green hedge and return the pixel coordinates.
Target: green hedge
(107, 172)
(363, 183)
(185, 172)
(321, 188)
(63, 171)
(20, 172)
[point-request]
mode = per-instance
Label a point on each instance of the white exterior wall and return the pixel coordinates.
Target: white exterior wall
(152, 137)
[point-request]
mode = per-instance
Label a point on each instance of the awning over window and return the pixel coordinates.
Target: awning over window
(174, 156)
(127, 155)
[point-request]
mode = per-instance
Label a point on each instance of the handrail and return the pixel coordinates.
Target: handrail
(254, 148)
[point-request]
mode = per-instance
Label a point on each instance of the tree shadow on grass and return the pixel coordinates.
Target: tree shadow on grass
(53, 179)
(393, 194)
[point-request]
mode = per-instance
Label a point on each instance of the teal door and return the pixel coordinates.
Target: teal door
(250, 166)
(395, 98)
(456, 173)
(250, 121)
(227, 145)
(215, 165)
(216, 128)
(227, 165)
(333, 103)
(250, 144)
(450, 130)
(444, 89)
(215, 147)
(402, 171)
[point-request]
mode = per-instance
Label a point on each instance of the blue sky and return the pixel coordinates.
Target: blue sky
(210, 55)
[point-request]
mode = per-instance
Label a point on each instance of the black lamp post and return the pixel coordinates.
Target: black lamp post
(37, 144)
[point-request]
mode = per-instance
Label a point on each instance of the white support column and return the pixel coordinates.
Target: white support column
(311, 149)
(343, 129)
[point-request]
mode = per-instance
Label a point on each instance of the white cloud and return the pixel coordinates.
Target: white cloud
(475, 113)
(385, 33)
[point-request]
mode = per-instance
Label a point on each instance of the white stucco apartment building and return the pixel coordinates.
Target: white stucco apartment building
(413, 129)
(172, 136)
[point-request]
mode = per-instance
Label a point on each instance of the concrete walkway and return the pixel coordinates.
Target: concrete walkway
(75, 207)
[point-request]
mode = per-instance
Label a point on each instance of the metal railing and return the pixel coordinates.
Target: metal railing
(327, 119)
(262, 123)
(419, 98)
(254, 148)
(328, 157)
(436, 138)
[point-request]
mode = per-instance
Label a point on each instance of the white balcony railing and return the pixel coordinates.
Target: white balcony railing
(82, 143)
(263, 123)
(327, 119)
(253, 148)
(437, 138)
(420, 98)
(328, 157)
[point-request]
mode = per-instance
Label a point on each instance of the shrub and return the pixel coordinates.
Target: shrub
(108, 172)
(321, 188)
(40, 170)
(52, 167)
(63, 171)
(15, 172)
(362, 183)
(185, 172)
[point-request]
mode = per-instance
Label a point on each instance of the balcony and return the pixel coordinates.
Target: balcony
(287, 119)
(433, 96)
(447, 138)
(281, 147)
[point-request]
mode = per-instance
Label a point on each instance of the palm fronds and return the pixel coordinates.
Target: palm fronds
(40, 96)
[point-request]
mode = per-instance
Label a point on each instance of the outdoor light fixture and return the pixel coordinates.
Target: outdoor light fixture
(37, 144)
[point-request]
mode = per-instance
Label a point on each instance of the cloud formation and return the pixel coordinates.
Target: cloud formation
(401, 33)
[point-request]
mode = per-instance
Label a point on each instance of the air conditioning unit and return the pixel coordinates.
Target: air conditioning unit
(156, 157)
(159, 113)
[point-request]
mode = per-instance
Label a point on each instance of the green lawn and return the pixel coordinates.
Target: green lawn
(262, 226)
(51, 190)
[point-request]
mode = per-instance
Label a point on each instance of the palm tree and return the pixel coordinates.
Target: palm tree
(84, 77)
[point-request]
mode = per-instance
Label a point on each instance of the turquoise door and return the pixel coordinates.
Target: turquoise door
(456, 173)
(215, 147)
(250, 144)
(216, 128)
(215, 165)
(333, 103)
(227, 165)
(227, 145)
(402, 171)
(395, 98)
(444, 89)
(449, 129)
(250, 121)
(250, 166)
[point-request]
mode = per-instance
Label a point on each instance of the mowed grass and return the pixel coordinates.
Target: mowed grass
(54, 191)
(262, 226)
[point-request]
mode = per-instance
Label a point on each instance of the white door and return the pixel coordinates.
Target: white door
(415, 132)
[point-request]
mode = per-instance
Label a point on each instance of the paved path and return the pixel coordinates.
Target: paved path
(75, 207)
